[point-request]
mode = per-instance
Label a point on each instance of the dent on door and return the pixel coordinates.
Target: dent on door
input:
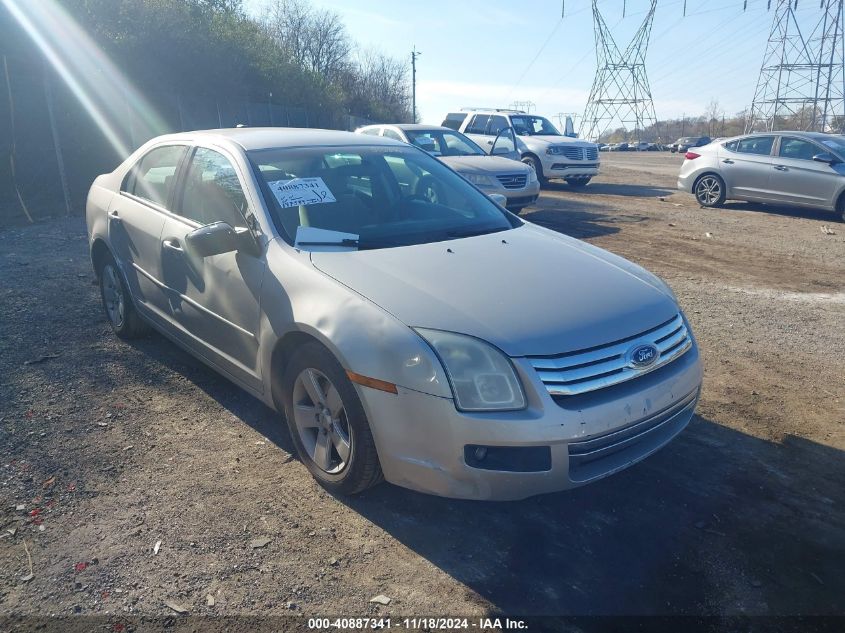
(215, 300)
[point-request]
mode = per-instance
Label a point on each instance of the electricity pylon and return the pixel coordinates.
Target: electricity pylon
(621, 94)
(802, 79)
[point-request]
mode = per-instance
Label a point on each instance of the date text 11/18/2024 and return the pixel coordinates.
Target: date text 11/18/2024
(416, 623)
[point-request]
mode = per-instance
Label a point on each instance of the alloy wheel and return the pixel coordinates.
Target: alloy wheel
(113, 296)
(708, 190)
(321, 421)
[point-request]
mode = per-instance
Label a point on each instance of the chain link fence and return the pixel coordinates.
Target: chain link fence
(52, 146)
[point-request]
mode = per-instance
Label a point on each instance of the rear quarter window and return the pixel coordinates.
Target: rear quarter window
(454, 120)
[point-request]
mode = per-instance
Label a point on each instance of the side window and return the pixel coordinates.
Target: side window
(731, 146)
(497, 124)
(798, 149)
(154, 176)
(478, 125)
(392, 134)
(761, 145)
(213, 192)
(370, 131)
(454, 120)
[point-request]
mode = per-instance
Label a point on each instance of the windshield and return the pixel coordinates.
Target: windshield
(836, 143)
(444, 143)
(372, 197)
(528, 125)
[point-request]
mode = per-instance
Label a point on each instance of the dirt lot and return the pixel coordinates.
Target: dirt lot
(110, 448)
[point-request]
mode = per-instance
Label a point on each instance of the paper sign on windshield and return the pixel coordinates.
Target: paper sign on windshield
(292, 193)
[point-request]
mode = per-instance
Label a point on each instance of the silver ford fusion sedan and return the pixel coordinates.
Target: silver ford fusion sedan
(447, 346)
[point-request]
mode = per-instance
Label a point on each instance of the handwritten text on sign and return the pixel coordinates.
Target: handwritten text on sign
(292, 193)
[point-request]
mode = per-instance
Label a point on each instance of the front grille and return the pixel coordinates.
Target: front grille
(578, 372)
(591, 153)
(572, 153)
(513, 181)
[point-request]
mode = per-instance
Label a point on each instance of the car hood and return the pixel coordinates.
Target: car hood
(486, 164)
(529, 291)
(553, 140)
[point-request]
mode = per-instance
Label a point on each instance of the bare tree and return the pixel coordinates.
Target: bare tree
(313, 39)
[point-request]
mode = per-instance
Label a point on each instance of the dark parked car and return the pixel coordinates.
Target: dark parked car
(683, 144)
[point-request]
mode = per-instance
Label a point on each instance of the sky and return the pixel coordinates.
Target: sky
(492, 53)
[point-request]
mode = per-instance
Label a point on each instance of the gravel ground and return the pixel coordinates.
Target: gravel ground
(137, 480)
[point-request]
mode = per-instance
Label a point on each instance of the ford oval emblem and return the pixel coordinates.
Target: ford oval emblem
(643, 356)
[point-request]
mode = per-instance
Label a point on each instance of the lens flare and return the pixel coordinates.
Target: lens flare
(105, 93)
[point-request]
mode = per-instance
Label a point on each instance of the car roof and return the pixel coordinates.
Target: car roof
(815, 135)
(255, 138)
(410, 127)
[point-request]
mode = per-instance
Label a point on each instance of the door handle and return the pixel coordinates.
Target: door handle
(173, 245)
(781, 168)
(114, 217)
(728, 161)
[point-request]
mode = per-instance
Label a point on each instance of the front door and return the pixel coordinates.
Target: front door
(136, 219)
(214, 300)
(798, 179)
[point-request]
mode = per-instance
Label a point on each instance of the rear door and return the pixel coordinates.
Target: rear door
(476, 129)
(798, 179)
(136, 219)
(746, 166)
(214, 301)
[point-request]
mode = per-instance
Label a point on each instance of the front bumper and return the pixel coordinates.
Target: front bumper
(426, 444)
(555, 166)
(517, 198)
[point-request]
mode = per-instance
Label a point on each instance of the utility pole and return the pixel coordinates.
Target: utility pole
(518, 105)
(414, 55)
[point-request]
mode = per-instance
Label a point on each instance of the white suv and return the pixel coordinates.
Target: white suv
(540, 145)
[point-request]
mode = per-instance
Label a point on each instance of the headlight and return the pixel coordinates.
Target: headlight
(480, 180)
(482, 378)
(532, 175)
(554, 150)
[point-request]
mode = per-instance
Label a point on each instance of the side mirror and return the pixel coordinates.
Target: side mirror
(498, 150)
(216, 238)
(826, 157)
(499, 199)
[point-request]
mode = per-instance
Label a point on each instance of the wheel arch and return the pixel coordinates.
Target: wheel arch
(282, 353)
(99, 252)
(709, 172)
(530, 154)
(839, 205)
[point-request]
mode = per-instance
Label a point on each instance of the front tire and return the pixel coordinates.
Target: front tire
(327, 422)
(534, 163)
(840, 209)
(710, 191)
(578, 182)
(117, 301)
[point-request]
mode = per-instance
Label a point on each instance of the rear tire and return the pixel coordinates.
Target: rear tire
(117, 301)
(710, 191)
(327, 422)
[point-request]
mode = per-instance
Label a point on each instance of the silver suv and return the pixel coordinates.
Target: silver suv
(540, 144)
